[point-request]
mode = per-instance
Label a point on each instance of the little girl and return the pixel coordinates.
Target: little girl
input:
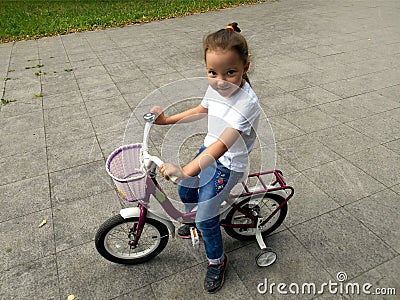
(233, 110)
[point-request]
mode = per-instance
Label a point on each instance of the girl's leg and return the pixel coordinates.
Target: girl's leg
(188, 189)
(211, 194)
(188, 192)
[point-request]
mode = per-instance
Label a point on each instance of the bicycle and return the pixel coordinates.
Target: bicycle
(138, 234)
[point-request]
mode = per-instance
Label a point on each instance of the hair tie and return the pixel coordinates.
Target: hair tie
(229, 27)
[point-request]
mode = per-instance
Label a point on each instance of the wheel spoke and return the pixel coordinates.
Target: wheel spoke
(118, 241)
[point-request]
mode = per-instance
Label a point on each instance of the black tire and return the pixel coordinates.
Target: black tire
(113, 238)
(266, 204)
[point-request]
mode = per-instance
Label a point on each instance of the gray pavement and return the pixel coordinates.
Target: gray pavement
(328, 76)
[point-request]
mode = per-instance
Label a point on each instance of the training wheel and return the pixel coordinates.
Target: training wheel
(266, 258)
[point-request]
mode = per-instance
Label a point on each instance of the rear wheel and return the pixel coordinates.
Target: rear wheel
(259, 206)
(114, 240)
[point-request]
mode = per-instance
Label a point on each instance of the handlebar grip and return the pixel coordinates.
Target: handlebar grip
(174, 179)
(159, 162)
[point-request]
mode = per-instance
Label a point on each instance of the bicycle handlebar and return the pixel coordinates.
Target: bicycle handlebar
(148, 159)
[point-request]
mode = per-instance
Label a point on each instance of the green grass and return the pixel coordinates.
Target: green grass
(37, 18)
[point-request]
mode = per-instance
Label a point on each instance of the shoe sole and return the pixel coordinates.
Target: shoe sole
(184, 236)
(218, 288)
(188, 236)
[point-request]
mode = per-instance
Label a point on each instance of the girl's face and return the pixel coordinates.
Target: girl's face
(225, 70)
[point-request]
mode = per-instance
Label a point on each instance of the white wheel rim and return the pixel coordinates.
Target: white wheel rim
(266, 259)
(117, 243)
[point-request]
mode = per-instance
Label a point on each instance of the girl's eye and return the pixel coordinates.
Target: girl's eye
(212, 73)
(231, 72)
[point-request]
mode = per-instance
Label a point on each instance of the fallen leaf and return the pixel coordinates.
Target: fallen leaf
(42, 224)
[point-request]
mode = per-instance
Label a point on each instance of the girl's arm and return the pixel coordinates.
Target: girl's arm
(189, 115)
(205, 158)
(212, 152)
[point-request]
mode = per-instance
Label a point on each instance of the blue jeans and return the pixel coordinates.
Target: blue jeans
(208, 190)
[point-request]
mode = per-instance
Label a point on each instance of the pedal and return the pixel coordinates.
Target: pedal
(195, 238)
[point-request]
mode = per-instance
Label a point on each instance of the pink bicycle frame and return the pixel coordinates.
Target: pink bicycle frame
(277, 185)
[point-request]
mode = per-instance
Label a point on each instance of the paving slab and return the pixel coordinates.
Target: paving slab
(353, 250)
(23, 240)
(382, 164)
(343, 182)
(16, 196)
(381, 223)
(327, 74)
(21, 282)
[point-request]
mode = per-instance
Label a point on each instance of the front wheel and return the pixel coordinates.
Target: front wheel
(260, 206)
(114, 240)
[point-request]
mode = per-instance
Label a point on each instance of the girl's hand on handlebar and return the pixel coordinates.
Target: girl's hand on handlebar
(169, 170)
(161, 119)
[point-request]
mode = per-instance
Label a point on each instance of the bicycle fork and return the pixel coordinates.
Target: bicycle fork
(142, 213)
(137, 228)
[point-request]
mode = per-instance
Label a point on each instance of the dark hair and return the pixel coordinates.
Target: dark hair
(228, 38)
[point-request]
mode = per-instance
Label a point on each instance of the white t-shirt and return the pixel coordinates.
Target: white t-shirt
(240, 112)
